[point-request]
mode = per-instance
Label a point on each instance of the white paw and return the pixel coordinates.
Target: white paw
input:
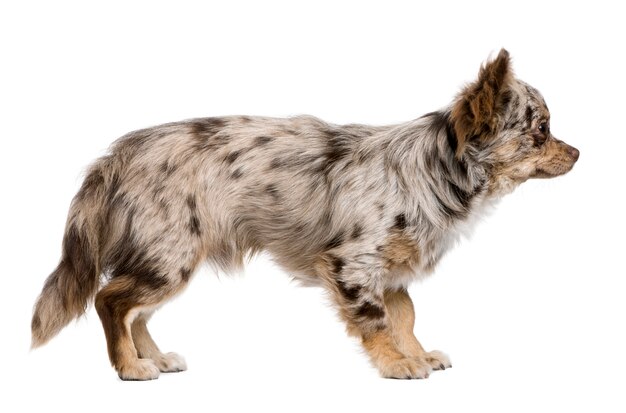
(170, 363)
(141, 369)
(438, 360)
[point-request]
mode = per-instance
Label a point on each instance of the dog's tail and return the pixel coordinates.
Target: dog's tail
(72, 285)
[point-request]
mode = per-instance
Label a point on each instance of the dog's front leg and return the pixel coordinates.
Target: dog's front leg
(401, 316)
(358, 292)
(386, 356)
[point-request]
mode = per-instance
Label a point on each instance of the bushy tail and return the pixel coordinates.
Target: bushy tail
(72, 285)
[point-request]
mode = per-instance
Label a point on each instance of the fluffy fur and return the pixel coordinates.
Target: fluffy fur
(359, 210)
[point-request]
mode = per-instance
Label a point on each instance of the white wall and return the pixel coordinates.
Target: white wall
(531, 309)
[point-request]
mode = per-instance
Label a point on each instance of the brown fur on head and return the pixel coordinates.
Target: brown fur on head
(474, 114)
(504, 124)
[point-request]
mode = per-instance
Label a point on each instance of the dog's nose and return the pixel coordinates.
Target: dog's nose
(574, 153)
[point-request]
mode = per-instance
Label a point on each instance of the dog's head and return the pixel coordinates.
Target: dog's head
(503, 124)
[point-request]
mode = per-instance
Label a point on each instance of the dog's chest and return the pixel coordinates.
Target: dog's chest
(414, 254)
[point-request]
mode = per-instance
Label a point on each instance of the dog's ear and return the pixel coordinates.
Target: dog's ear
(474, 113)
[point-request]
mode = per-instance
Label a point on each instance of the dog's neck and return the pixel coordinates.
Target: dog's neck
(438, 186)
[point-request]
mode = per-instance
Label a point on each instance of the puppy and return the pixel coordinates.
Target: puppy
(359, 210)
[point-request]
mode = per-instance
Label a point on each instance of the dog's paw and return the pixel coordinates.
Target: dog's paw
(406, 368)
(142, 369)
(438, 360)
(170, 363)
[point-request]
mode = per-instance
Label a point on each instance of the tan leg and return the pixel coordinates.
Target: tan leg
(116, 305)
(147, 348)
(122, 305)
(402, 321)
(368, 319)
(391, 363)
(363, 309)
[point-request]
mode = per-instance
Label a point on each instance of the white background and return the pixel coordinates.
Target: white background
(531, 309)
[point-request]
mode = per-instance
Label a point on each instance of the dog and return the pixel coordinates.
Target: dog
(359, 210)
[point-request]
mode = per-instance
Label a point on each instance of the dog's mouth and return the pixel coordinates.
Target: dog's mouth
(559, 164)
(539, 174)
(551, 171)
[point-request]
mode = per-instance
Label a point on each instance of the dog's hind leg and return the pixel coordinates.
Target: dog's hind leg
(119, 304)
(147, 348)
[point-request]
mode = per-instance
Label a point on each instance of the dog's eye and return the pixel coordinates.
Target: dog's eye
(541, 135)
